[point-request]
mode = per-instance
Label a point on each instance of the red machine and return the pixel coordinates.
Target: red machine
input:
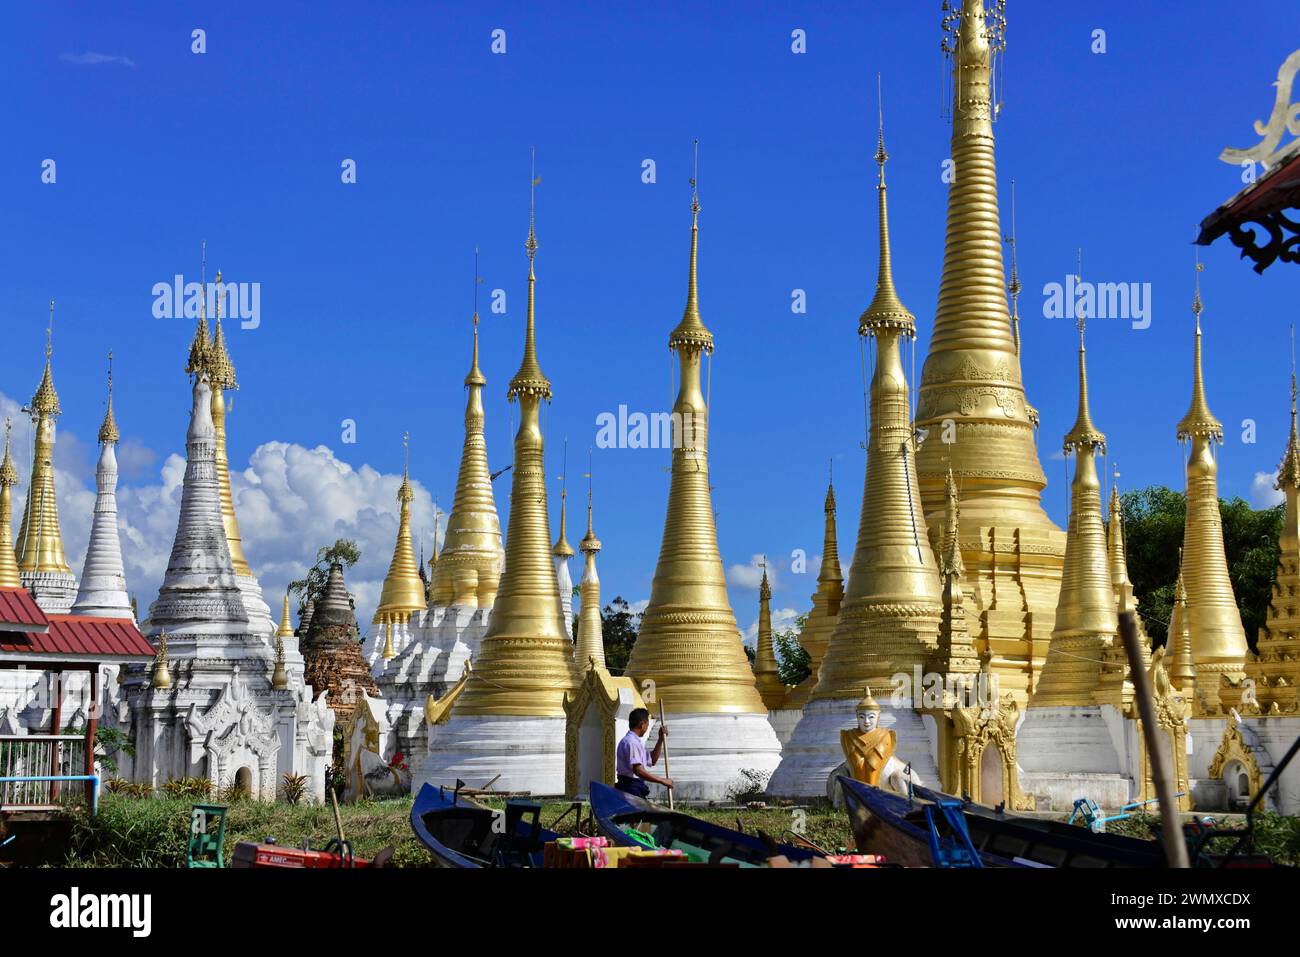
(335, 855)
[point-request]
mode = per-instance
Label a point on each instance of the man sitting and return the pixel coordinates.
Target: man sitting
(632, 764)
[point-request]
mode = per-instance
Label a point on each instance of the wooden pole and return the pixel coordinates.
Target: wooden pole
(92, 726)
(1170, 828)
(667, 773)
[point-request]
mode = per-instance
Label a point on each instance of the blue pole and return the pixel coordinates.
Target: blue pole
(92, 778)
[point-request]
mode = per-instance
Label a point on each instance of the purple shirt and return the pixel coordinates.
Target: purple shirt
(630, 751)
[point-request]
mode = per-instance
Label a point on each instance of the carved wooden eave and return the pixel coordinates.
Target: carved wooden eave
(1263, 220)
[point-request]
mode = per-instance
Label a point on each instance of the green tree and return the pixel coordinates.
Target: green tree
(1153, 534)
(793, 663)
(344, 551)
(620, 626)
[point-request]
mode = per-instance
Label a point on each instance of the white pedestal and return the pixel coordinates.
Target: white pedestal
(1067, 753)
(813, 751)
(527, 752)
(708, 754)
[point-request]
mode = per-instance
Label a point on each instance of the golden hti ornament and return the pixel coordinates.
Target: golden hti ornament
(767, 675)
(1275, 670)
(403, 591)
(40, 541)
(821, 620)
(1086, 618)
(589, 648)
(1218, 639)
(971, 397)
(889, 619)
(8, 479)
(525, 663)
(279, 676)
(468, 571)
(689, 645)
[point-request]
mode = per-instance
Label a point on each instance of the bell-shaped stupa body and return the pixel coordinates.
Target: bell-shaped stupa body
(102, 592)
(403, 594)
(971, 400)
(688, 658)
(589, 650)
(509, 717)
(767, 673)
(1218, 639)
(888, 622)
(1086, 612)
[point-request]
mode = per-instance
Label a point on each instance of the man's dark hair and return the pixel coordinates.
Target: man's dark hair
(637, 716)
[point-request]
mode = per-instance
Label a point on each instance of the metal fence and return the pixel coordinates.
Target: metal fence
(41, 755)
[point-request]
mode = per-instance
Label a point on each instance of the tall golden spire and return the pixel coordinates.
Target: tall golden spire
(525, 663)
(889, 620)
(590, 646)
(201, 346)
(221, 375)
(766, 673)
(688, 644)
(820, 623)
(1213, 620)
(469, 569)
(40, 541)
(955, 654)
(971, 399)
(403, 591)
(286, 623)
(1085, 612)
(8, 479)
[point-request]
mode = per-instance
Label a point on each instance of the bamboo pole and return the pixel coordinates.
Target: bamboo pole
(1170, 828)
(667, 773)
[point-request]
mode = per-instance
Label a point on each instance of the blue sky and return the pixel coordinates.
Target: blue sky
(366, 288)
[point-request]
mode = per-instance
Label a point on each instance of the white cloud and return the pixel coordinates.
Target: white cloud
(290, 501)
(751, 575)
(1262, 492)
(783, 619)
(91, 58)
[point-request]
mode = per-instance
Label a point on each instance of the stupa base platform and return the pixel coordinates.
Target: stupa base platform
(1068, 752)
(527, 752)
(813, 751)
(714, 757)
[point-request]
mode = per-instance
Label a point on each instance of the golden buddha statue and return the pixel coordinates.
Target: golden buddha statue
(869, 750)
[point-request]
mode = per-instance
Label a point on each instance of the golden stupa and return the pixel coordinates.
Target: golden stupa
(39, 548)
(971, 398)
(889, 619)
(767, 675)
(468, 570)
(403, 591)
(589, 646)
(821, 620)
(1275, 669)
(525, 663)
(1086, 612)
(689, 645)
(221, 373)
(8, 479)
(1218, 639)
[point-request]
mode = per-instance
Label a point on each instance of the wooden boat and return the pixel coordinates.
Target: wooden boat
(620, 816)
(460, 832)
(890, 824)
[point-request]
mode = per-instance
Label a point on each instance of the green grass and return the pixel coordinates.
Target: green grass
(153, 832)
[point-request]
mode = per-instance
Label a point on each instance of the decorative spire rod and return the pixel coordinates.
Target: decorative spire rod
(108, 430)
(1013, 284)
(886, 309)
(562, 547)
(1288, 472)
(589, 650)
(530, 378)
(1084, 433)
(691, 332)
(1199, 421)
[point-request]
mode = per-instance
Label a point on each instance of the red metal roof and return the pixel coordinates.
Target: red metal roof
(82, 636)
(18, 607)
